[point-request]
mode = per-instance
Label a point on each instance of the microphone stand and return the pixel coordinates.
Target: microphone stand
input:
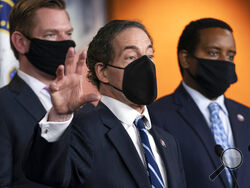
(234, 178)
(219, 150)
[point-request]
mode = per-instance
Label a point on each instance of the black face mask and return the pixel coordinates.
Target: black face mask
(214, 76)
(48, 55)
(139, 81)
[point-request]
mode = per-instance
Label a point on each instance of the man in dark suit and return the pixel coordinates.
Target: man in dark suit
(116, 144)
(36, 26)
(206, 53)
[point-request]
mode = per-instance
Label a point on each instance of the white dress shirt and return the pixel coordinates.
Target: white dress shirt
(126, 115)
(39, 89)
(202, 102)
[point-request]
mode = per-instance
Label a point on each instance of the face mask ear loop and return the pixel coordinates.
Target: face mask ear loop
(26, 36)
(188, 71)
(191, 75)
(112, 86)
(193, 56)
(109, 83)
(115, 66)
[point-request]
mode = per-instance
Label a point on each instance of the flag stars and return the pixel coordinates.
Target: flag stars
(3, 23)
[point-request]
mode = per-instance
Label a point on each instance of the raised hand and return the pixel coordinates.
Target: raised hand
(67, 90)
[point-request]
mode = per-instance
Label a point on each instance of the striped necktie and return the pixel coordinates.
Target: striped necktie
(219, 132)
(152, 167)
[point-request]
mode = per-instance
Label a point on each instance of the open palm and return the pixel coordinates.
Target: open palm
(67, 91)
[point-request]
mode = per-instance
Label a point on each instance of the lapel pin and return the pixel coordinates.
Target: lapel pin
(240, 117)
(163, 143)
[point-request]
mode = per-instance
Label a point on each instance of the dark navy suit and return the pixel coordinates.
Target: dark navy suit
(20, 110)
(179, 114)
(96, 151)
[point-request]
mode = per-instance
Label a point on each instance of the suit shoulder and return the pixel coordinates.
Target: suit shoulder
(4, 90)
(165, 99)
(235, 104)
(5, 95)
(86, 115)
(162, 104)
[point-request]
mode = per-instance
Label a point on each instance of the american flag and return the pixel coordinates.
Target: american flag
(8, 63)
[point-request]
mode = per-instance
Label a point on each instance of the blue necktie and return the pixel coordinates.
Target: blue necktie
(152, 168)
(220, 135)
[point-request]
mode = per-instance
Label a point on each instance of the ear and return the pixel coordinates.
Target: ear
(101, 72)
(20, 42)
(183, 59)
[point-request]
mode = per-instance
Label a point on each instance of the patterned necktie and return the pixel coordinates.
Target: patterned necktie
(46, 88)
(45, 98)
(152, 168)
(220, 135)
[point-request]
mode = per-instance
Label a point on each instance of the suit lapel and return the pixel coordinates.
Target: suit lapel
(240, 131)
(166, 155)
(124, 146)
(189, 111)
(27, 98)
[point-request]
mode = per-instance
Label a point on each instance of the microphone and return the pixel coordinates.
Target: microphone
(219, 152)
(249, 148)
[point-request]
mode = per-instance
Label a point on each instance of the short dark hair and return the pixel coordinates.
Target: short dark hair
(101, 48)
(22, 15)
(190, 36)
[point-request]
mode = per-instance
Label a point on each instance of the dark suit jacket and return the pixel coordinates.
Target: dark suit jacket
(20, 110)
(179, 114)
(96, 151)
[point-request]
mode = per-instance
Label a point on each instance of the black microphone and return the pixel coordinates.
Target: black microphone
(249, 148)
(219, 151)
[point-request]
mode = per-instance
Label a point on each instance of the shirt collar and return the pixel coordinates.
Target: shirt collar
(202, 101)
(34, 83)
(125, 113)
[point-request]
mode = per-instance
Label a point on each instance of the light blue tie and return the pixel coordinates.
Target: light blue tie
(152, 168)
(220, 135)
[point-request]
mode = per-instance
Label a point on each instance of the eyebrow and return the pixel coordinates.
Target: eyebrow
(55, 30)
(70, 30)
(135, 48)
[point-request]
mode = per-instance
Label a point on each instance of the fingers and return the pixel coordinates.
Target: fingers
(60, 73)
(55, 85)
(81, 62)
(77, 104)
(70, 64)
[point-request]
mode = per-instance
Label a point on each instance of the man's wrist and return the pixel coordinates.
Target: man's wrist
(55, 117)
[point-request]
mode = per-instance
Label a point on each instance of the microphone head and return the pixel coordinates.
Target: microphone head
(218, 150)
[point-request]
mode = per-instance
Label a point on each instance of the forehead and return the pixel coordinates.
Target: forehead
(50, 18)
(131, 36)
(216, 37)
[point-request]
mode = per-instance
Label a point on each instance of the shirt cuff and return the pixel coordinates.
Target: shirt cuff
(52, 131)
